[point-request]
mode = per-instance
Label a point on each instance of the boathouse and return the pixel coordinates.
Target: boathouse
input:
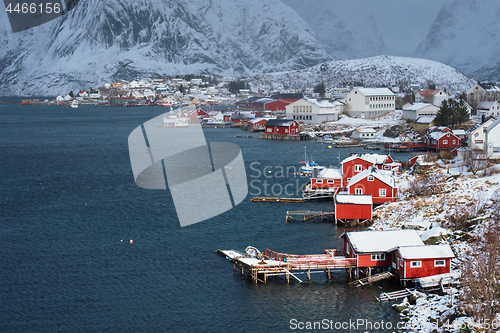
(353, 207)
(281, 127)
(441, 138)
(422, 260)
(373, 248)
(379, 184)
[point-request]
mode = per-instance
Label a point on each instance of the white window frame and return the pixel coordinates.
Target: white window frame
(378, 257)
(358, 191)
(415, 264)
(358, 167)
(319, 181)
(348, 249)
(437, 263)
(370, 178)
(445, 142)
(382, 192)
(330, 181)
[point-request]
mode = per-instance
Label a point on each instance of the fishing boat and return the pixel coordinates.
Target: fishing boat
(325, 139)
(167, 102)
(74, 104)
(308, 164)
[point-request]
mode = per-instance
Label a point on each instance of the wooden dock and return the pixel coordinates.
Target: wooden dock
(395, 295)
(272, 199)
(305, 215)
(285, 264)
(370, 279)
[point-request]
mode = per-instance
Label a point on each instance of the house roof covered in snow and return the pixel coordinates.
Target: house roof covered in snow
(372, 158)
(354, 199)
(324, 103)
(366, 130)
(330, 173)
(416, 106)
(493, 125)
(425, 120)
(375, 241)
(426, 252)
(376, 91)
(486, 105)
(382, 175)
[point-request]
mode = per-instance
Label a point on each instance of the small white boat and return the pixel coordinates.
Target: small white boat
(325, 139)
(74, 104)
(308, 165)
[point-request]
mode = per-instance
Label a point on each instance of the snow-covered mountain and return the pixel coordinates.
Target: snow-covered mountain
(466, 36)
(100, 41)
(369, 72)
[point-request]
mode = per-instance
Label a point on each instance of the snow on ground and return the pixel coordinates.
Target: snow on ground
(460, 192)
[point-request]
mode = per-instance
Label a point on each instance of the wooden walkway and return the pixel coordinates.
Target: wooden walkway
(285, 264)
(305, 215)
(395, 295)
(371, 279)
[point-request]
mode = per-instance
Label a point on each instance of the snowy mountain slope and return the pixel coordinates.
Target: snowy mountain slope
(368, 72)
(101, 41)
(345, 29)
(466, 36)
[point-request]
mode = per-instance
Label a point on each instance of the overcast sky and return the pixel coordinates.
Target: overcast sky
(403, 24)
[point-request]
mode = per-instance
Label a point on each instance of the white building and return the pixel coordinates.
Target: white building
(434, 96)
(476, 135)
(314, 111)
(417, 110)
(492, 139)
(370, 102)
(363, 133)
(488, 109)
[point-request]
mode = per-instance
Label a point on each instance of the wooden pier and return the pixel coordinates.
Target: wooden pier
(305, 215)
(395, 295)
(370, 279)
(285, 264)
(272, 199)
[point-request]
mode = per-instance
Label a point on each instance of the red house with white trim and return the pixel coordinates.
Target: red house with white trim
(258, 124)
(372, 248)
(353, 207)
(442, 138)
(282, 127)
(380, 184)
(197, 114)
(422, 260)
(357, 163)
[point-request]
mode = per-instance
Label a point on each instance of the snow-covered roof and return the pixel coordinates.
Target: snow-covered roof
(330, 173)
(372, 158)
(426, 252)
(495, 123)
(435, 231)
(459, 132)
(426, 92)
(366, 130)
(486, 105)
(354, 199)
(257, 119)
(376, 91)
(324, 103)
(382, 175)
(416, 106)
(425, 120)
(374, 241)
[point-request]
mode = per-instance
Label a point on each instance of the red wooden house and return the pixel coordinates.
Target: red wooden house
(422, 260)
(282, 127)
(198, 114)
(356, 163)
(380, 184)
(353, 207)
(326, 178)
(441, 138)
(258, 124)
(373, 248)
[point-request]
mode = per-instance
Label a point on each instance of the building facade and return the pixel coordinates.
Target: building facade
(370, 102)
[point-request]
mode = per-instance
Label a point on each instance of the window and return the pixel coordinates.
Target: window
(358, 191)
(445, 142)
(382, 192)
(269, 130)
(415, 264)
(386, 167)
(378, 256)
(479, 141)
(454, 141)
(319, 181)
(496, 149)
(370, 178)
(348, 249)
(439, 263)
(358, 168)
(330, 181)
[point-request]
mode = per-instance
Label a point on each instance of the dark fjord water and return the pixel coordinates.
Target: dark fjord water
(68, 199)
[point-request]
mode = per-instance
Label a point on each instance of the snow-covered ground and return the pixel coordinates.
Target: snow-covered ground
(461, 192)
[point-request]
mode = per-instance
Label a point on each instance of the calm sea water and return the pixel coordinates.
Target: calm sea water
(69, 207)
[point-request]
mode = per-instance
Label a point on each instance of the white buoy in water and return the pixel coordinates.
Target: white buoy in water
(131, 241)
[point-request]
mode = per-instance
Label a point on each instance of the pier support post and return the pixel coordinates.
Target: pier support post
(288, 278)
(329, 276)
(308, 274)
